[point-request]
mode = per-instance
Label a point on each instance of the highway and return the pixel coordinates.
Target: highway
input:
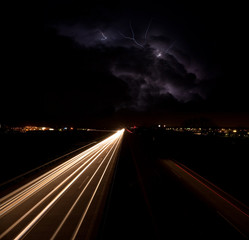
(230, 209)
(66, 202)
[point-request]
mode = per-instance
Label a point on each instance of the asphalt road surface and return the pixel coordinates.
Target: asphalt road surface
(66, 202)
(234, 212)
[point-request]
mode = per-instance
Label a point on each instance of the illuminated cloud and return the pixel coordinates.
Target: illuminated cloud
(154, 69)
(152, 78)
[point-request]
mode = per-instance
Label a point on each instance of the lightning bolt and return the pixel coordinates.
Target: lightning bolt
(104, 37)
(132, 38)
(159, 53)
(170, 46)
(146, 32)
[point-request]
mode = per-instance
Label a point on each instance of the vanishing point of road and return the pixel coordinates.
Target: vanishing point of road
(65, 202)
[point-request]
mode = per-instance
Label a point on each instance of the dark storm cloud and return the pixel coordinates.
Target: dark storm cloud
(189, 59)
(149, 76)
(150, 71)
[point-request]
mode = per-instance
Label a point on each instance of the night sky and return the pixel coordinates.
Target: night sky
(112, 64)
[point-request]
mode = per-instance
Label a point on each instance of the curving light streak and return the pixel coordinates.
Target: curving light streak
(30, 225)
(89, 203)
(82, 162)
(16, 200)
(78, 198)
(47, 178)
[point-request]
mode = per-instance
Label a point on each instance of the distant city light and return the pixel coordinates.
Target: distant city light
(224, 132)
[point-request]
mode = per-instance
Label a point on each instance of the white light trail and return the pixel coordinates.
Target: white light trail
(81, 162)
(47, 178)
(85, 212)
(47, 196)
(76, 201)
(30, 225)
